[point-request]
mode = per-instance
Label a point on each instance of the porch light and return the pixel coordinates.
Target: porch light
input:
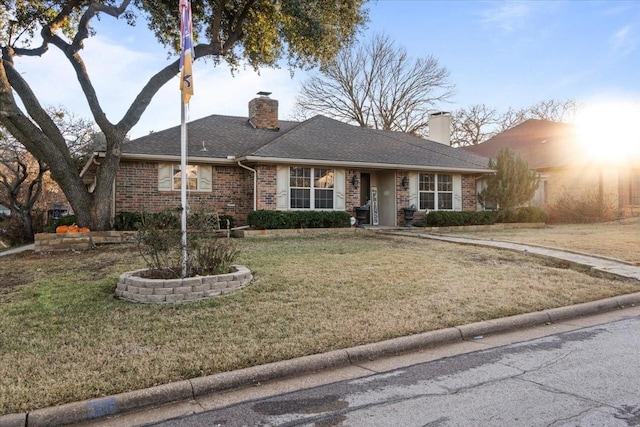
(405, 182)
(355, 181)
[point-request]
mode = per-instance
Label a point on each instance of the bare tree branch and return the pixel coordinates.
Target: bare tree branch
(378, 85)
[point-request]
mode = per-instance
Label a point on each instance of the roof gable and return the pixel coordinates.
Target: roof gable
(541, 143)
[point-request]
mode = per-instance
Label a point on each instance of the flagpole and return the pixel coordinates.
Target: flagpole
(186, 90)
(183, 186)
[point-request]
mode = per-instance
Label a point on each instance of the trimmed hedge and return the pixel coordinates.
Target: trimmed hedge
(273, 220)
(455, 218)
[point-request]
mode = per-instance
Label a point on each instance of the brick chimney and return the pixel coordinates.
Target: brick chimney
(440, 127)
(263, 112)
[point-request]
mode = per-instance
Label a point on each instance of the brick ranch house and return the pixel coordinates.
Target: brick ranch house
(239, 164)
(555, 151)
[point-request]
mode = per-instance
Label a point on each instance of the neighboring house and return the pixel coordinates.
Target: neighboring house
(554, 150)
(239, 164)
(5, 211)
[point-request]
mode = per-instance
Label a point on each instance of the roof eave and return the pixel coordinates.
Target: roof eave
(170, 158)
(347, 164)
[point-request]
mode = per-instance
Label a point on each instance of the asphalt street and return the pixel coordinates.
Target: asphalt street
(585, 377)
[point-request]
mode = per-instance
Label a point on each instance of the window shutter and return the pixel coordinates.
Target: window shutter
(205, 177)
(414, 183)
(457, 192)
(282, 188)
(339, 189)
(165, 177)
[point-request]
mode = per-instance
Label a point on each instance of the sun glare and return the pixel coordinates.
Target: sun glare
(610, 131)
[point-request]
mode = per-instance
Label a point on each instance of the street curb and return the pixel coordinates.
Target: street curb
(190, 389)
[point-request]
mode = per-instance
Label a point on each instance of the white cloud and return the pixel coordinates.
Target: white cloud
(506, 15)
(624, 41)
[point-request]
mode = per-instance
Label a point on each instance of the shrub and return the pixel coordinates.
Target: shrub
(455, 218)
(12, 231)
(269, 220)
(587, 207)
(273, 220)
(130, 221)
(63, 220)
(522, 214)
(213, 256)
(127, 221)
(531, 214)
(224, 219)
(160, 244)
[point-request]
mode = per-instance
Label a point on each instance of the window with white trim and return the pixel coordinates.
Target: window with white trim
(435, 191)
(311, 188)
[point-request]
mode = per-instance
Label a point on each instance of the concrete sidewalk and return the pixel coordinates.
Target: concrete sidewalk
(18, 249)
(606, 267)
(183, 397)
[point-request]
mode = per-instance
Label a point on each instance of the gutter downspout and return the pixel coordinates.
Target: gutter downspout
(255, 184)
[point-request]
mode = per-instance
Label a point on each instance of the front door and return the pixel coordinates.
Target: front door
(379, 190)
(365, 193)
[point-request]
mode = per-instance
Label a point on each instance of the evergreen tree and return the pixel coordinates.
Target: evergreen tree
(513, 184)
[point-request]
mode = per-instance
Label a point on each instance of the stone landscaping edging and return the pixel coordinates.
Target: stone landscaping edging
(132, 287)
(54, 242)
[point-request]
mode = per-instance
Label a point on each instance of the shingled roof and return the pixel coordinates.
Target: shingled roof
(319, 139)
(541, 143)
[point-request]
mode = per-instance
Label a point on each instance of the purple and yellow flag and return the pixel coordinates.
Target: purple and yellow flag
(186, 51)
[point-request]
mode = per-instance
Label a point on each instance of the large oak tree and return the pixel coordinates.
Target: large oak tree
(256, 32)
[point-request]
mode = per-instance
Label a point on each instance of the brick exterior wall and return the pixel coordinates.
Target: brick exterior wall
(469, 193)
(136, 190)
(267, 193)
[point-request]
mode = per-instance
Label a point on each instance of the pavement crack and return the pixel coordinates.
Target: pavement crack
(365, 368)
(561, 421)
(543, 366)
(194, 398)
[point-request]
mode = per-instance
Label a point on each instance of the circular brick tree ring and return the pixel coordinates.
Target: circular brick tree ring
(133, 286)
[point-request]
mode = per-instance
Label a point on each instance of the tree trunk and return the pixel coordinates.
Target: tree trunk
(27, 224)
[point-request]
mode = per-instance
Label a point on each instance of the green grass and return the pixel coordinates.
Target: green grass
(64, 337)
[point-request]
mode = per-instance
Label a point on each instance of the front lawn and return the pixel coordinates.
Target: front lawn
(64, 337)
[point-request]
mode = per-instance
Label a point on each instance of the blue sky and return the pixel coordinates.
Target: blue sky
(500, 53)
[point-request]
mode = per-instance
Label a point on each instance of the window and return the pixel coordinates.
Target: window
(436, 191)
(199, 177)
(311, 188)
(192, 177)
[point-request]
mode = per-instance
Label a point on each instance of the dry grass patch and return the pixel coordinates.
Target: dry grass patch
(616, 239)
(64, 337)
